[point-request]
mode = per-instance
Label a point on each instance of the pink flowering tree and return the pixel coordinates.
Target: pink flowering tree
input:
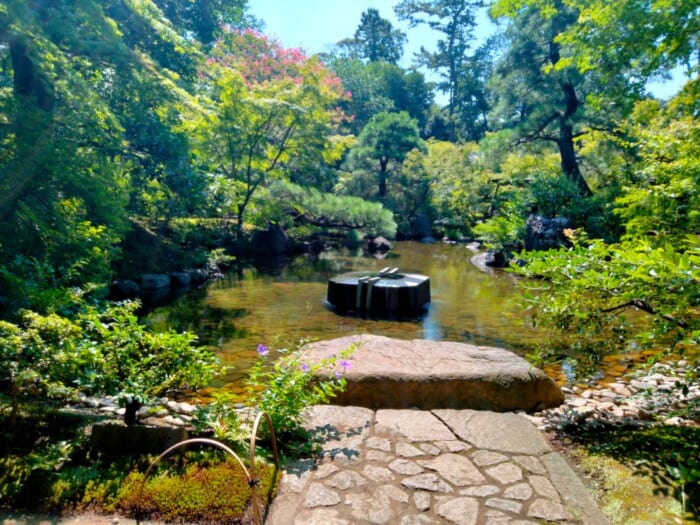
(263, 109)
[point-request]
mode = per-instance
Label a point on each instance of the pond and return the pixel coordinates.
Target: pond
(277, 302)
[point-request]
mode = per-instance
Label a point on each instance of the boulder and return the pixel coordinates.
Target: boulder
(154, 281)
(122, 289)
(378, 244)
(180, 279)
(198, 276)
(495, 259)
(544, 233)
(272, 241)
(391, 373)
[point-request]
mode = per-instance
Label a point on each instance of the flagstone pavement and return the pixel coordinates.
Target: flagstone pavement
(416, 467)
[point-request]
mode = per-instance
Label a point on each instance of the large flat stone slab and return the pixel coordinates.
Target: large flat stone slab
(392, 373)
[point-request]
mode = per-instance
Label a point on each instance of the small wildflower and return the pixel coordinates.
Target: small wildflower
(345, 364)
(338, 374)
(305, 367)
(263, 350)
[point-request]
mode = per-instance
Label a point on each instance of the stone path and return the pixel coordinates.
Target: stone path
(413, 467)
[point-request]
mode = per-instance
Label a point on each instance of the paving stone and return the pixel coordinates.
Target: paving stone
(296, 475)
(320, 517)
(325, 470)
(530, 463)
(378, 443)
(430, 449)
(343, 457)
(548, 510)
(405, 467)
(453, 446)
(411, 487)
(521, 491)
(378, 474)
(461, 511)
(454, 468)
(378, 456)
(345, 479)
(422, 500)
(480, 491)
(505, 473)
(320, 496)
(504, 504)
(496, 517)
(407, 450)
(414, 425)
(573, 493)
(379, 506)
(341, 430)
(485, 458)
(508, 433)
(418, 519)
(544, 487)
(431, 482)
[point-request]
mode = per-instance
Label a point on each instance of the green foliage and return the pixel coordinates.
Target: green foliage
(502, 233)
(617, 37)
(222, 419)
(379, 86)
(17, 471)
(376, 40)
(665, 203)
(329, 211)
(455, 20)
(383, 145)
(463, 190)
(289, 385)
(100, 351)
(664, 455)
(265, 112)
(607, 298)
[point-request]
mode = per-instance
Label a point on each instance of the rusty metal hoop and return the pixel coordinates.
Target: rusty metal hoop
(249, 474)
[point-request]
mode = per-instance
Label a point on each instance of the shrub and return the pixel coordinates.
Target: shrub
(287, 387)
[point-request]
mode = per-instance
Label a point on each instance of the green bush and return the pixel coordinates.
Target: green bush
(98, 352)
(287, 387)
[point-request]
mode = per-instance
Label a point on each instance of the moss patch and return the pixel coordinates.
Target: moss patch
(628, 498)
(212, 494)
(641, 475)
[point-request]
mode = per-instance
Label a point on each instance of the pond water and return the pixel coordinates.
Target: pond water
(277, 302)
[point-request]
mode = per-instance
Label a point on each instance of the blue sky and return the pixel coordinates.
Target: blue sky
(315, 25)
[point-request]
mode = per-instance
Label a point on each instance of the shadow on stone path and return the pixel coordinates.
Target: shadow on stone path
(414, 467)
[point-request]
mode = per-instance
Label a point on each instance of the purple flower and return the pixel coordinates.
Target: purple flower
(338, 374)
(263, 350)
(305, 367)
(345, 364)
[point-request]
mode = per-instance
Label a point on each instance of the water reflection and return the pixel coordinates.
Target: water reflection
(279, 301)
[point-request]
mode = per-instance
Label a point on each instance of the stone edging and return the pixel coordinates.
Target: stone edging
(643, 398)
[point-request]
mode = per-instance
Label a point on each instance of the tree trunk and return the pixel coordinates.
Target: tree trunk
(382, 177)
(569, 162)
(567, 151)
(33, 127)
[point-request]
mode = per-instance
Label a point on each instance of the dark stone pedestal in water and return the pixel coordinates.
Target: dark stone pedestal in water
(384, 293)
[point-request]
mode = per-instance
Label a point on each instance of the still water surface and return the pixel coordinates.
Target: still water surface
(279, 302)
